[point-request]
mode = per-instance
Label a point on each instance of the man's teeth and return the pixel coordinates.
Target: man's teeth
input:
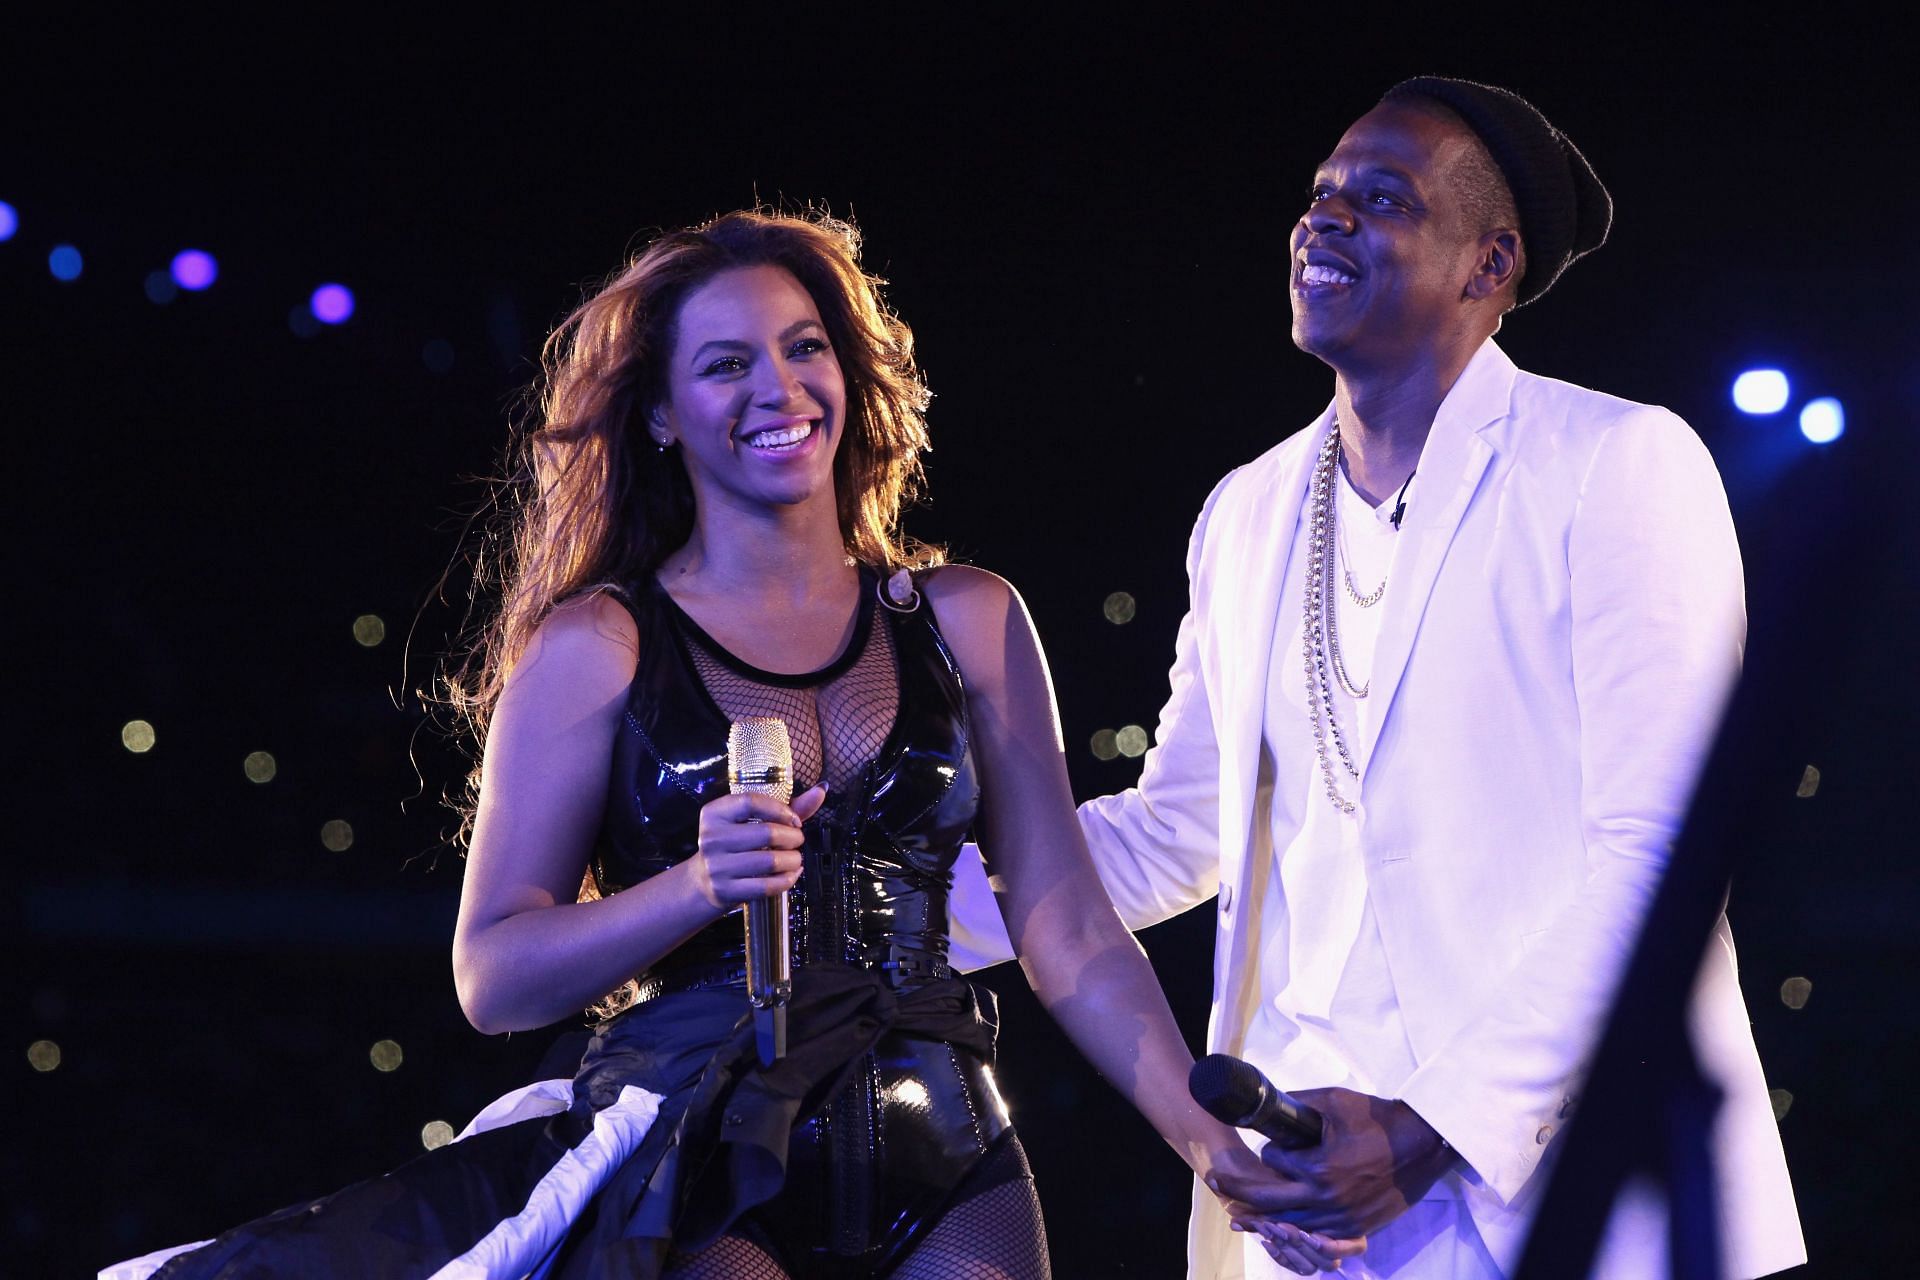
(780, 437)
(1314, 274)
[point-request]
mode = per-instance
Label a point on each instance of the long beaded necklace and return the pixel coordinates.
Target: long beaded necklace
(1319, 641)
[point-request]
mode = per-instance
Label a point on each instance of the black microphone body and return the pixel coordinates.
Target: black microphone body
(760, 762)
(1234, 1091)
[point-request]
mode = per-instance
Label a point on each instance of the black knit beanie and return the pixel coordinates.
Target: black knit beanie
(1564, 211)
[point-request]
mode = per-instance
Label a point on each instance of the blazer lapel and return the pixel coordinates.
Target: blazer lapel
(1451, 463)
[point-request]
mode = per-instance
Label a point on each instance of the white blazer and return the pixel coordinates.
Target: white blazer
(1566, 618)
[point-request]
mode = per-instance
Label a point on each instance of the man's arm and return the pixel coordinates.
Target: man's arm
(1156, 845)
(1657, 631)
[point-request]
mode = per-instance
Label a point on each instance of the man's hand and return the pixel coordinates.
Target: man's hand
(1235, 1175)
(1376, 1159)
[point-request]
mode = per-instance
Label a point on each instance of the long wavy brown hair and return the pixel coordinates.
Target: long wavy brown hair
(589, 502)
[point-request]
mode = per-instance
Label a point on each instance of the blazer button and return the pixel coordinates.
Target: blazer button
(1540, 1138)
(1226, 899)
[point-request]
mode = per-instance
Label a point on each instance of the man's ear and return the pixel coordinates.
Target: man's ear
(1501, 263)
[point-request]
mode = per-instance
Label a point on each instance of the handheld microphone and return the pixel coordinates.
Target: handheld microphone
(1234, 1091)
(760, 762)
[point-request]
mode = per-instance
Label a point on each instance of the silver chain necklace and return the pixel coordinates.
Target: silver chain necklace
(1368, 599)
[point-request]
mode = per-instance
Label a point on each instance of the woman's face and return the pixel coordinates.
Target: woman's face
(756, 399)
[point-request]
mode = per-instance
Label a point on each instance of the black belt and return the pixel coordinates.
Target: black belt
(903, 969)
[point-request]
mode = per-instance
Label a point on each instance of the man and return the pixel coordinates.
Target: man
(1454, 656)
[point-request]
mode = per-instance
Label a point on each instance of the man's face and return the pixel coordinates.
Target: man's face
(1382, 256)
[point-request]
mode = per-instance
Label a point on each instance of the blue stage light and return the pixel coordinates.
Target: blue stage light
(1823, 421)
(160, 288)
(194, 269)
(9, 221)
(1760, 391)
(331, 304)
(65, 262)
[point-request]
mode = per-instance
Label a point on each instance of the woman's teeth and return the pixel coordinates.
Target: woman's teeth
(780, 437)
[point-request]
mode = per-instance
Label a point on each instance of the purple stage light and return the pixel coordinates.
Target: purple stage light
(194, 269)
(331, 304)
(65, 262)
(9, 221)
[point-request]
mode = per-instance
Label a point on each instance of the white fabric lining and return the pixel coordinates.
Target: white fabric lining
(518, 1246)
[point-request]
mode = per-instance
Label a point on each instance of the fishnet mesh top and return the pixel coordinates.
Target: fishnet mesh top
(838, 717)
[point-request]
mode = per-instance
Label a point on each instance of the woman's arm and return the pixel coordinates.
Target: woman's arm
(525, 953)
(1080, 960)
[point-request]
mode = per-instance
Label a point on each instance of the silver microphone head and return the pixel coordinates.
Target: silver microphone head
(760, 758)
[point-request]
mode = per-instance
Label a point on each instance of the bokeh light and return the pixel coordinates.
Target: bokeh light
(137, 736)
(386, 1055)
(437, 355)
(1824, 420)
(194, 269)
(160, 288)
(260, 766)
(301, 321)
(1105, 745)
(337, 835)
(435, 1134)
(1809, 784)
(43, 1055)
(1118, 608)
(1782, 1100)
(331, 304)
(1794, 993)
(65, 262)
(9, 221)
(1132, 741)
(369, 629)
(1761, 391)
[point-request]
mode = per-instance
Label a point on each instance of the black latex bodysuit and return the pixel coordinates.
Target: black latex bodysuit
(870, 1173)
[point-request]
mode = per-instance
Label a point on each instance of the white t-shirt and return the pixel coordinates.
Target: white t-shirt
(1327, 1013)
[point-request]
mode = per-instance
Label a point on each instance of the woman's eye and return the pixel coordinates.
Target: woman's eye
(725, 364)
(808, 347)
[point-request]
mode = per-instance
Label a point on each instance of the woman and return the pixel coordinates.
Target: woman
(710, 531)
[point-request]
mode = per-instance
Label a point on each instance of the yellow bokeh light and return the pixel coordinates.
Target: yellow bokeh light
(43, 1055)
(386, 1055)
(435, 1134)
(260, 766)
(369, 629)
(1132, 741)
(137, 736)
(1794, 992)
(1118, 609)
(1809, 783)
(1782, 1099)
(1103, 744)
(337, 835)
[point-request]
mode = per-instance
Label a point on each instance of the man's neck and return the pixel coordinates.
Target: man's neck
(1385, 416)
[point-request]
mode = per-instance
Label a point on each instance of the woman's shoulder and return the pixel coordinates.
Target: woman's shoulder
(589, 644)
(979, 612)
(964, 593)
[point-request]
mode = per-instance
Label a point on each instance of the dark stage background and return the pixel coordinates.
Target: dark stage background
(1086, 224)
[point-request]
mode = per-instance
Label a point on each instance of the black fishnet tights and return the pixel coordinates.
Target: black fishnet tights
(741, 1255)
(996, 1234)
